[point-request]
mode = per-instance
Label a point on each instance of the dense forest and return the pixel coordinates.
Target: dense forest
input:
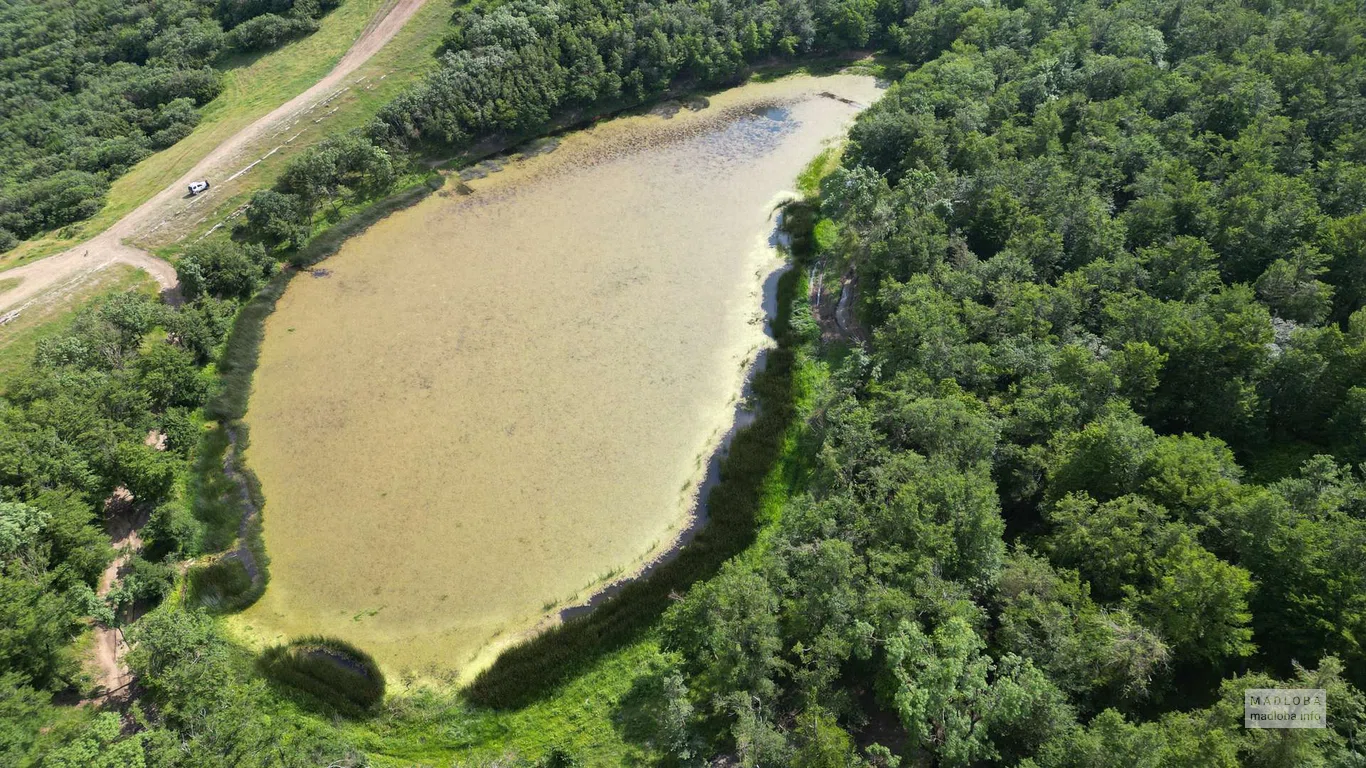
(1105, 274)
(1094, 471)
(92, 87)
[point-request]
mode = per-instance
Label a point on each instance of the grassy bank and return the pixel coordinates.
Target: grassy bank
(338, 675)
(331, 239)
(224, 584)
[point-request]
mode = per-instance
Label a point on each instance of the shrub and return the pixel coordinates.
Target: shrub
(170, 135)
(170, 378)
(143, 582)
(267, 31)
(50, 202)
(276, 218)
(172, 530)
(144, 471)
(222, 586)
(233, 13)
(160, 86)
(181, 431)
(333, 671)
(223, 269)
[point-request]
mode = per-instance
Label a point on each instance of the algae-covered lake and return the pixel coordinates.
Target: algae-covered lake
(498, 397)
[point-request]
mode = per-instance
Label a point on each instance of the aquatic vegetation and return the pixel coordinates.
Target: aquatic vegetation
(493, 399)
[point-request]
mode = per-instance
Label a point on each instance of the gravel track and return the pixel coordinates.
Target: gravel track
(111, 246)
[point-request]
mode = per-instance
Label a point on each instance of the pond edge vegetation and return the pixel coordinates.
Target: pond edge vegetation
(535, 667)
(228, 495)
(332, 671)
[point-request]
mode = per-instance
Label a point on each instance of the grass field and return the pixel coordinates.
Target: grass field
(20, 337)
(254, 87)
(586, 718)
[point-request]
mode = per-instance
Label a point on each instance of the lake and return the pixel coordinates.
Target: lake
(491, 403)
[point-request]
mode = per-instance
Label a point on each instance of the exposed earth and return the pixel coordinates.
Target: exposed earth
(38, 279)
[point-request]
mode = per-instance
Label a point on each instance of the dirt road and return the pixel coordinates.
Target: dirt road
(111, 246)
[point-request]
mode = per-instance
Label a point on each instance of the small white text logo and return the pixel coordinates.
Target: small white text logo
(1285, 708)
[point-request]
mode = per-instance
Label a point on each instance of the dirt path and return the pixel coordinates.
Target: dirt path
(109, 247)
(122, 522)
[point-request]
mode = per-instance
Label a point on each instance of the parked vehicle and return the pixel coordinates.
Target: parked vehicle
(198, 186)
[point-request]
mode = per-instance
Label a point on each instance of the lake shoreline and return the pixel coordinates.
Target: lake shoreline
(685, 530)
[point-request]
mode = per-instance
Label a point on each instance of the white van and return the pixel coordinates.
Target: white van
(198, 186)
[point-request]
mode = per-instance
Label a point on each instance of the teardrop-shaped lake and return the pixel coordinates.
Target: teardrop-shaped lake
(501, 396)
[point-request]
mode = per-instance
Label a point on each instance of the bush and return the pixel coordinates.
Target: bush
(181, 431)
(267, 31)
(144, 582)
(223, 269)
(161, 86)
(172, 530)
(170, 378)
(24, 715)
(349, 166)
(144, 471)
(201, 325)
(223, 586)
(111, 157)
(332, 671)
(170, 134)
(235, 12)
(50, 202)
(276, 218)
(188, 43)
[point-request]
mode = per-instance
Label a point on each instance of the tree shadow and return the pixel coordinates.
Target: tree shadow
(536, 668)
(634, 717)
